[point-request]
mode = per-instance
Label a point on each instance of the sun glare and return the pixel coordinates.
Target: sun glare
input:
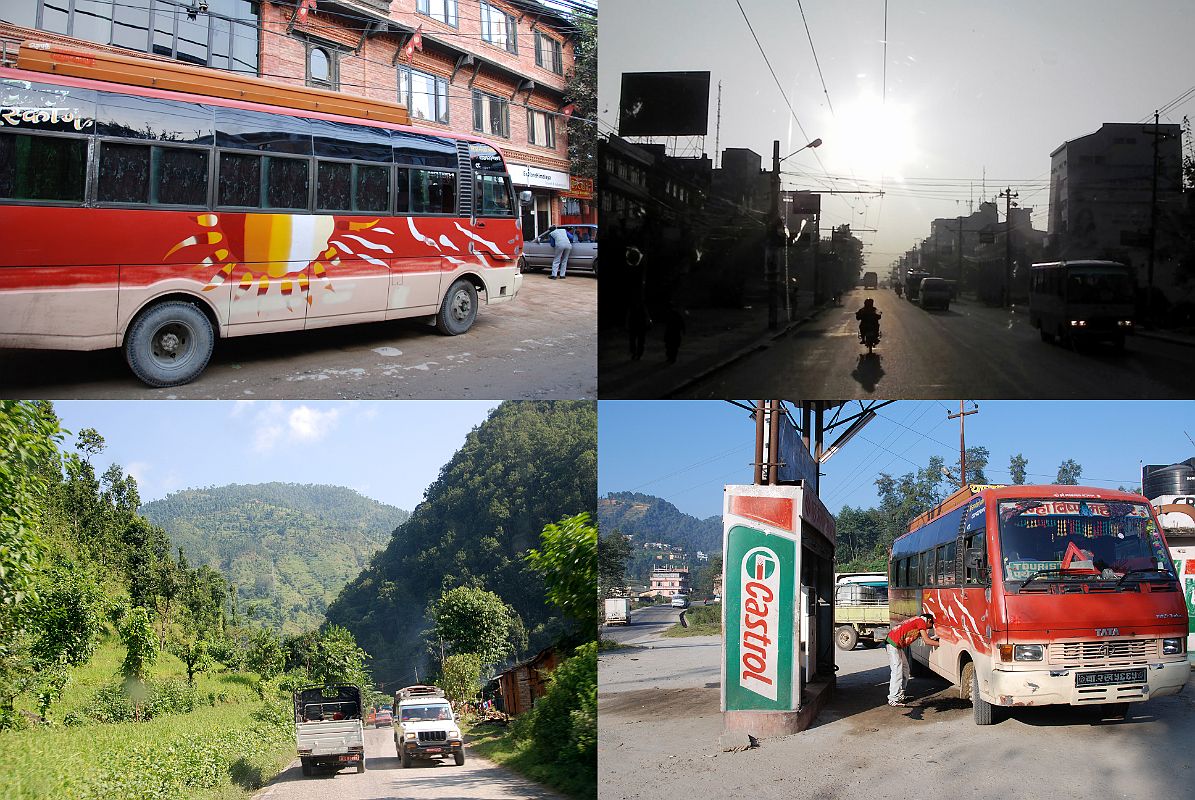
(872, 138)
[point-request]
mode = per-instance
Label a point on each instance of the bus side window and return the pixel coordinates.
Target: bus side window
(37, 167)
(975, 547)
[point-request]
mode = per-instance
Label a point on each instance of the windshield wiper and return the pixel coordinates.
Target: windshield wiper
(1153, 571)
(1034, 576)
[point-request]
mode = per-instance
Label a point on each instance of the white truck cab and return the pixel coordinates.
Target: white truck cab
(425, 727)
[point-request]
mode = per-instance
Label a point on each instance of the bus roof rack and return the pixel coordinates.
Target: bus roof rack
(411, 692)
(78, 62)
(955, 500)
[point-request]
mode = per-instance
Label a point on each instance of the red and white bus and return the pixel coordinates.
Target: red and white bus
(156, 206)
(1044, 595)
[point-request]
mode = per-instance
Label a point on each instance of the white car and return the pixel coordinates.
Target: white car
(680, 601)
(539, 252)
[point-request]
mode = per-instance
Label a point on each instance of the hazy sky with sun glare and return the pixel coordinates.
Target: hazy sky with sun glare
(970, 88)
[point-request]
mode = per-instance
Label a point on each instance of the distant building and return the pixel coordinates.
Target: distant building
(1100, 187)
(524, 683)
(669, 581)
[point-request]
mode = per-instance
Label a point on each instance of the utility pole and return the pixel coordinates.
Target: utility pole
(718, 126)
(1153, 220)
(1008, 194)
(774, 232)
(961, 416)
(960, 251)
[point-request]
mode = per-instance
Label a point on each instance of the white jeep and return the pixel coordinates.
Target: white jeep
(425, 727)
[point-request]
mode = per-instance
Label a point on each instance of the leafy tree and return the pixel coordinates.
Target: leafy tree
(471, 620)
(581, 92)
(1017, 465)
(28, 437)
(338, 659)
(703, 584)
(567, 712)
(265, 655)
(1069, 472)
(568, 562)
(977, 462)
(614, 550)
(70, 617)
(141, 644)
(461, 679)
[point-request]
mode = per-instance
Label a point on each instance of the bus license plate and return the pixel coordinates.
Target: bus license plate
(1110, 678)
(433, 749)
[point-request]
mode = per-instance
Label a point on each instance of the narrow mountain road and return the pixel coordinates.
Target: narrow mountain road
(384, 777)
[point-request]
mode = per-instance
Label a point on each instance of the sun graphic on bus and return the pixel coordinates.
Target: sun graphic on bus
(289, 251)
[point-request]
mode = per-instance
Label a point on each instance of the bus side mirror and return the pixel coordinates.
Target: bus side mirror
(525, 198)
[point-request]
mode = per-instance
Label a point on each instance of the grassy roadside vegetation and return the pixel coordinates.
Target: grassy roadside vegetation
(502, 745)
(703, 621)
(228, 747)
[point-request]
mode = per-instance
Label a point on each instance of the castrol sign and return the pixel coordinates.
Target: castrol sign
(760, 557)
(759, 602)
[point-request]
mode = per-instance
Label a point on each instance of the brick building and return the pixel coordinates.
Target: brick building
(485, 67)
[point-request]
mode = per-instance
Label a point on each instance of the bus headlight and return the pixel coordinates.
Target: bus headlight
(1078, 323)
(1124, 323)
(1028, 652)
(1172, 647)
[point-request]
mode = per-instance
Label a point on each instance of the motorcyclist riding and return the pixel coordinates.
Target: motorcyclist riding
(869, 321)
(899, 290)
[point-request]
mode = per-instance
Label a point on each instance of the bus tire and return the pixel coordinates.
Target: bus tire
(458, 310)
(983, 710)
(846, 637)
(169, 344)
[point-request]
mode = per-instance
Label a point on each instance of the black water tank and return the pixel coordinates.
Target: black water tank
(1174, 479)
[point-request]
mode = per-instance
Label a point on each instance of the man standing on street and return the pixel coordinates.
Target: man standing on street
(564, 247)
(899, 639)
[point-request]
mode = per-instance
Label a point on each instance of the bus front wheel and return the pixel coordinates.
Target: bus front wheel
(458, 309)
(985, 712)
(169, 344)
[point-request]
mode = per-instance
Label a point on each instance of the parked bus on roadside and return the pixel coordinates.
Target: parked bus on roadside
(157, 206)
(1074, 301)
(1043, 595)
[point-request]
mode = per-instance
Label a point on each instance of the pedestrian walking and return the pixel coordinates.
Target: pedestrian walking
(563, 243)
(897, 645)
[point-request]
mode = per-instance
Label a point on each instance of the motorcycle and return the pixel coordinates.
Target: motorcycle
(899, 290)
(870, 335)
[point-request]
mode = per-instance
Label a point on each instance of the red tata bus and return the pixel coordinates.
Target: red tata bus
(1044, 595)
(156, 206)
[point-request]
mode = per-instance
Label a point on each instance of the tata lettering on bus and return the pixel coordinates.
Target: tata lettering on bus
(157, 206)
(1044, 595)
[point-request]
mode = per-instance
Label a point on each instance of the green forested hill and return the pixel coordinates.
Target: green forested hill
(528, 464)
(287, 548)
(653, 519)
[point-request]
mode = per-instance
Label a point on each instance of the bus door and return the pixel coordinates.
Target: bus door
(974, 578)
(495, 236)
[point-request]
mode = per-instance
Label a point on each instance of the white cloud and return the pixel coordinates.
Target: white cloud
(266, 437)
(310, 425)
(139, 470)
(239, 407)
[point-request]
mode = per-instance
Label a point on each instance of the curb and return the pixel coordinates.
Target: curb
(760, 344)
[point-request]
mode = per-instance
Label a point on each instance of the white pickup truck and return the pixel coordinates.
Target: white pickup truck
(328, 729)
(425, 727)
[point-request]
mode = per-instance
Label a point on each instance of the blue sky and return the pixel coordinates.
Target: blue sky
(390, 451)
(685, 451)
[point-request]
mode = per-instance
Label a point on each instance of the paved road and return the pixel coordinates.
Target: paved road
(970, 351)
(659, 721)
(543, 345)
(646, 625)
(384, 777)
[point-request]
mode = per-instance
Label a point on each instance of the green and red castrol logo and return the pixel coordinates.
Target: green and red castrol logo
(760, 621)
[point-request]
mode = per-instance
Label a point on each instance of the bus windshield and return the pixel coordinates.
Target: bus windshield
(1089, 539)
(1102, 285)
